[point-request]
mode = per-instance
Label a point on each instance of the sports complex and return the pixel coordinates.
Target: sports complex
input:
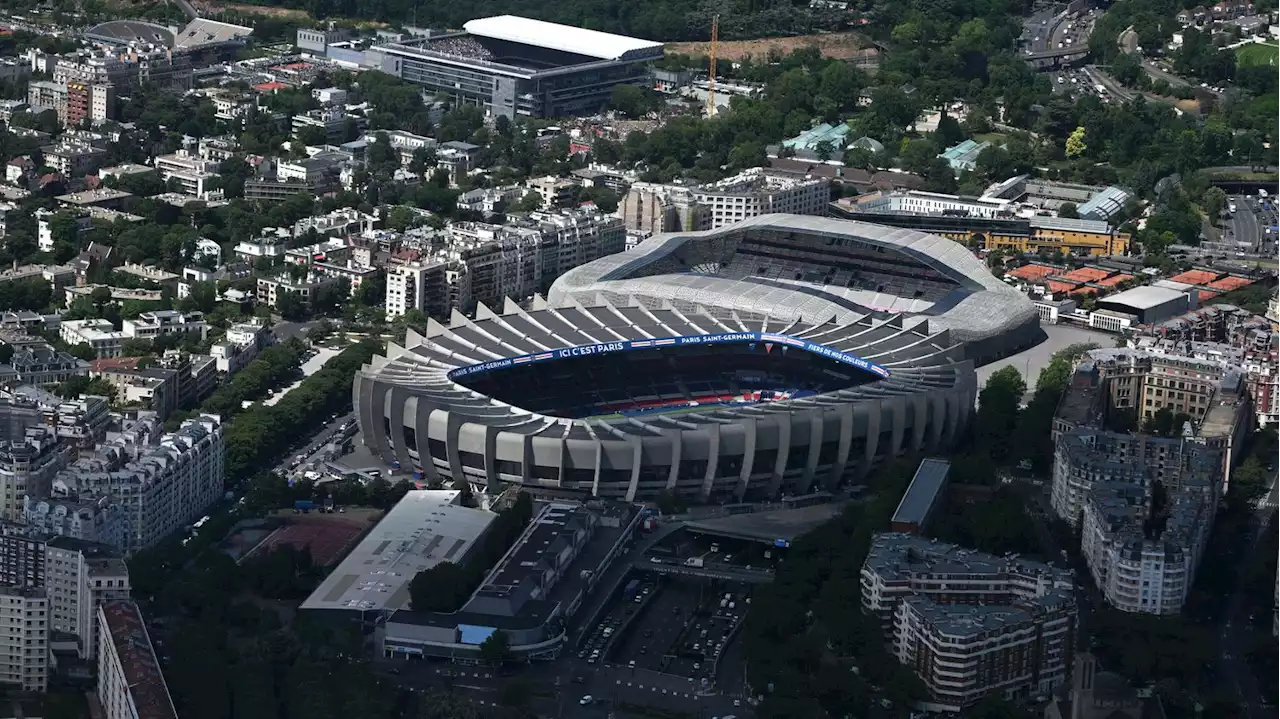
(779, 355)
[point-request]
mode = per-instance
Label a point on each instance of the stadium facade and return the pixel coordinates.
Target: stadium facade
(780, 355)
(515, 66)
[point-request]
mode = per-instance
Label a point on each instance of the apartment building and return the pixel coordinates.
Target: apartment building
(153, 324)
(24, 639)
(80, 423)
(242, 343)
(193, 173)
(130, 682)
(335, 121)
(1145, 503)
(970, 624)
(94, 103)
(159, 488)
(1144, 557)
(125, 69)
(22, 559)
(28, 466)
(93, 519)
(760, 192)
(554, 191)
(40, 364)
(417, 286)
(99, 334)
(72, 158)
(79, 577)
(305, 289)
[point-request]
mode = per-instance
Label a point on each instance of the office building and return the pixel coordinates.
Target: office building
(24, 647)
(518, 67)
(130, 682)
(970, 624)
(987, 223)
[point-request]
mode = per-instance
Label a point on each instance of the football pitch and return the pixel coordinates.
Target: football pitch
(1257, 54)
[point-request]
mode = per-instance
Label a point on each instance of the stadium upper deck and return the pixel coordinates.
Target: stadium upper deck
(516, 66)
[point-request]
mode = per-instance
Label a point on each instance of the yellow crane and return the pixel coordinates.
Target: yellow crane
(711, 69)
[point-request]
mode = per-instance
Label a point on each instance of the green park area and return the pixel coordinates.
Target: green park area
(1257, 54)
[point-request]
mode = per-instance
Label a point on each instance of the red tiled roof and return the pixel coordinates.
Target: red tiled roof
(142, 673)
(1031, 273)
(1114, 280)
(1195, 277)
(271, 86)
(1056, 287)
(1086, 274)
(110, 363)
(1229, 283)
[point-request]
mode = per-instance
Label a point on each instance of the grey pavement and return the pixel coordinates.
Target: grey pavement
(1030, 362)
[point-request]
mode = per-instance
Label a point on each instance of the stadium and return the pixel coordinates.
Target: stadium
(779, 355)
(514, 66)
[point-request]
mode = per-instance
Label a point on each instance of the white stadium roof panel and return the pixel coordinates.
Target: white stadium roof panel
(564, 38)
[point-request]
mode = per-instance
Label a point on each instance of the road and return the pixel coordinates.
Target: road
(1030, 362)
(1238, 633)
(1243, 226)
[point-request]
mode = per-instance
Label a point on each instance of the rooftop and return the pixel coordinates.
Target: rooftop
(425, 528)
(592, 43)
(147, 688)
(1144, 298)
(929, 479)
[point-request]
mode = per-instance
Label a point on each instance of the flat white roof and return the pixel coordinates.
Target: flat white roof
(1143, 298)
(425, 528)
(564, 38)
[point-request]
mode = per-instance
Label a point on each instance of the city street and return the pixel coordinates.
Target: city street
(1238, 632)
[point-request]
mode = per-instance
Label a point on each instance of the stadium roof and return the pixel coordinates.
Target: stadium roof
(564, 38)
(203, 31)
(425, 528)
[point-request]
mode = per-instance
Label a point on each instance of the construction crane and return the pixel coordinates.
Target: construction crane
(711, 70)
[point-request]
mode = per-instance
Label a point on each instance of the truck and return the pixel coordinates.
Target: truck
(629, 591)
(693, 562)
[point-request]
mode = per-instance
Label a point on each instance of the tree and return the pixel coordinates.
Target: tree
(998, 404)
(531, 202)
(1215, 201)
(1075, 142)
(824, 150)
(496, 648)
(401, 218)
(1069, 211)
(629, 100)
(442, 588)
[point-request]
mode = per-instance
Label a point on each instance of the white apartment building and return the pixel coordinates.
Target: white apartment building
(149, 325)
(24, 638)
(342, 221)
(419, 287)
(970, 624)
(243, 342)
(78, 578)
(193, 172)
(130, 682)
(1137, 571)
(162, 487)
(271, 289)
(28, 466)
(99, 334)
(44, 228)
(760, 192)
(90, 520)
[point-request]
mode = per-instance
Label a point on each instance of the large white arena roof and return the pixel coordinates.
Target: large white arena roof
(564, 38)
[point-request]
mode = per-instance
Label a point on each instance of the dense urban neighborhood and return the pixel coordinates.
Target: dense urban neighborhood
(728, 360)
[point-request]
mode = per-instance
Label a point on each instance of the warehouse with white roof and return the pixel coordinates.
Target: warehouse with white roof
(515, 66)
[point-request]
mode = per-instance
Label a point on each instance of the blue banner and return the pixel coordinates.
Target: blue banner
(585, 350)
